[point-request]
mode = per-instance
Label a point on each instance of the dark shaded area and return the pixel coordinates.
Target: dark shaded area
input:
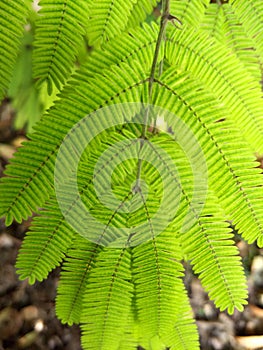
(219, 1)
(27, 313)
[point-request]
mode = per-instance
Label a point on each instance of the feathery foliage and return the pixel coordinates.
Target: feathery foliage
(120, 202)
(60, 28)
(12, 19)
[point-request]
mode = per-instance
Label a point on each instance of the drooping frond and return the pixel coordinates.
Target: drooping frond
(250, 15)
(137, 45)
(222, 74)
(107, 19)
(107, 300)
(131, 334)
(213, 22)
(29, 186)
(12, 20)
(219, 140)
(31, 171)
(157, 277)
(210, 248)
(73, 280)
(59, 31)
(189, 12)
(69, 304)
(184, 335)
(222, 23)
(51, 236)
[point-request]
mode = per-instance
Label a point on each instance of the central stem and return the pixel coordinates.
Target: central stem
(164, 20)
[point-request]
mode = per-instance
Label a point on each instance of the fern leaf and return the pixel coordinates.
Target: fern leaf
(107, 300)
(223, 75)
(250, 15)
(198, 111)
(138, 217)
(210, 247)
(158, 285)
(131, 338)
(222, 23)
(73, 280)
(31, 171)
(107, 19)
(59, 32)
(37, 169)
(184, 10)
(184, 335)
(137, 45)
(51, 236)
(214, 21)
(28, 186)
(12, 20)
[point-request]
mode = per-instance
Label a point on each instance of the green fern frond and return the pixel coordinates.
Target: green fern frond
(210, 248)
(28, 186)
(204, 116)
(107, 19)
(31, 175)
(157, 277)
(12, 20)
(73, 280)
(222, 23)
(224, 75)
(184, 10)
(184, 335)
(250, 15)
(59, 34)
(107, 300)
(131, 338)
(213, 22)
(137, 45)
(51, 236)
